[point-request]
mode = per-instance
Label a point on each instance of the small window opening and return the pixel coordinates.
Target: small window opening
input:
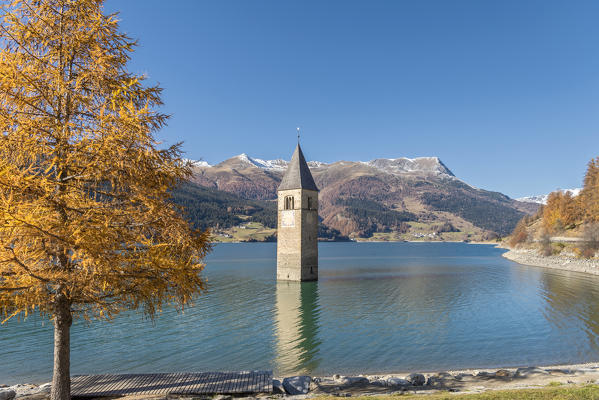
(289, 203)
(309, 203)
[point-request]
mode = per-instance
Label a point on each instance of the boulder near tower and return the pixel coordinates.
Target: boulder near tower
(297, 222)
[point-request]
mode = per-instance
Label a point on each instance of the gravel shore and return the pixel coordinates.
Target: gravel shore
(564, 262)
(306, 387)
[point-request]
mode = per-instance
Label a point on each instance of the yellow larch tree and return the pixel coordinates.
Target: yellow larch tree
(561, 211)
(86, 228)
(590, 192)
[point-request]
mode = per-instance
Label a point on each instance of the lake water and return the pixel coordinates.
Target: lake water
(378, 307)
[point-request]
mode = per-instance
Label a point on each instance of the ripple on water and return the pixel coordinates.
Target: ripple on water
(377, 307)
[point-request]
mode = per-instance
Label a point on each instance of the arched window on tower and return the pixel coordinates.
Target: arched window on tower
(288, 202)
(309, 203)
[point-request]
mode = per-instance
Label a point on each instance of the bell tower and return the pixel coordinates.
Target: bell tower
(297, 222)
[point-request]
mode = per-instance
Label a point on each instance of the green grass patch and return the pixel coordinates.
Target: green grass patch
(588, 392)
(248, 231)
(551, 384)
(420, 226)
(454, 236)
(380, 237)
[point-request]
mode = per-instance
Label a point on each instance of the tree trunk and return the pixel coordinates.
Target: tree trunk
(61, 379)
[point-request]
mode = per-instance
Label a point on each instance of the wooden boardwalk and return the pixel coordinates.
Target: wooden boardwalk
(172, 383)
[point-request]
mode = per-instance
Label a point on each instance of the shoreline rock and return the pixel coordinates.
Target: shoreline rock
(295, 385)
(24, 390)
(463, 381)
(563, 262)
(7, 394)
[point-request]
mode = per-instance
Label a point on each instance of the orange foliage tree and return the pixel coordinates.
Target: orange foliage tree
(86, 228)
(590, 193)
(520, 234)
(562, 210)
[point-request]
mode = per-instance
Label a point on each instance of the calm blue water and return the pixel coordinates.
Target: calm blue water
(378, 307)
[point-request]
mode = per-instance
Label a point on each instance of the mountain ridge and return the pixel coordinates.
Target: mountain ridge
(430, 164)
(394, 196)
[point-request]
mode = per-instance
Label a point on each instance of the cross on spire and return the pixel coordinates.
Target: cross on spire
(298, 134)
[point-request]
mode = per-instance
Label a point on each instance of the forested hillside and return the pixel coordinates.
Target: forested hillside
(220, 211)
(211, 208)
(574, 217)
(491, 211)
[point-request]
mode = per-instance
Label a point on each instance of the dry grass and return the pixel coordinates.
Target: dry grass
(587, 392)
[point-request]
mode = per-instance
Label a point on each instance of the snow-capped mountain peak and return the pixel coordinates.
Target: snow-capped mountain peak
(394, 166)
(264, 164)
(542, 198)
(402, 165)
(197, 163)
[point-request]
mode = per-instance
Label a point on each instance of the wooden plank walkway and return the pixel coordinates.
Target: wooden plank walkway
(172, 383)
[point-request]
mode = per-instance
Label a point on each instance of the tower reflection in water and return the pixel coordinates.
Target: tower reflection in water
(297, 319)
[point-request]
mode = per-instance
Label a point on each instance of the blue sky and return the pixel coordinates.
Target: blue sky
(506, 93)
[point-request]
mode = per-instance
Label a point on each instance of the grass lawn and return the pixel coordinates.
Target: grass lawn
(551, 392)
(380, 237)
(250, 230)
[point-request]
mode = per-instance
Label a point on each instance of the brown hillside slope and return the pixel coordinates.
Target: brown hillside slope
(379, 196)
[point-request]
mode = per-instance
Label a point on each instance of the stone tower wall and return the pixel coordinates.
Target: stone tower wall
(297, 236)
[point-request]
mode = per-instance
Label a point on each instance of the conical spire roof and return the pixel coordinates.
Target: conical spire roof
(298, 175)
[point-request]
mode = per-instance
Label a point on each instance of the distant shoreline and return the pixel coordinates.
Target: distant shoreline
(532, 258)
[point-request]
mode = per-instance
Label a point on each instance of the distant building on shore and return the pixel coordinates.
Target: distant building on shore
(297, 222)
